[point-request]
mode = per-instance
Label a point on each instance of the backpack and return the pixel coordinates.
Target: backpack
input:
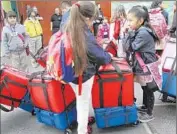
(158, 22)
(59, 58)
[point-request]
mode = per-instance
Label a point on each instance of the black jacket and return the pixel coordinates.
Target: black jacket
(141, 41)
(96, 56)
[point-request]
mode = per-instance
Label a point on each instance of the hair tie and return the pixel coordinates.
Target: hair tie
(77, 4)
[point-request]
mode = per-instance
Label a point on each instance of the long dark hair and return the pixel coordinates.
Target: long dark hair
(141, 12)
(156, 4)
(76, 29)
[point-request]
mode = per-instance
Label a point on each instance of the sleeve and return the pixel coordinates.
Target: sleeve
(116, 30)
(97, 54)
(52, 19)
(26, 36)
(26, 26)
(40, 27)
(173, 27)
(140, 40)
(4, 41)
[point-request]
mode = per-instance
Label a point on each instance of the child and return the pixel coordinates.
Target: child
(103, 33)
(87, 54)
(14, 41)
(142, 42)
(34, 30)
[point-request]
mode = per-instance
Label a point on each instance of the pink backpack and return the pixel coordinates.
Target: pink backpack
(158, 22)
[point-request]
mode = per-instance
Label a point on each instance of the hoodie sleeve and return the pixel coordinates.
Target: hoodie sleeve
(5, 41)
(97, 53)
(26, 36)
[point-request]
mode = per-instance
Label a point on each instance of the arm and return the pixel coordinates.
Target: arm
(26, 36)
(141, 39)
(116, 29)
(97, 53)
(4, 42)
(26, 26)
(40, 27)
(51, 26)
(173, 27)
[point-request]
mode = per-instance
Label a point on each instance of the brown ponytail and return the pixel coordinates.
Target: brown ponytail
(76, 29)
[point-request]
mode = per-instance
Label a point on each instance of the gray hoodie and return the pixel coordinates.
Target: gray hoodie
(10, 39)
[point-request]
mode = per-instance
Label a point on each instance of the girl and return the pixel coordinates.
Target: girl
(87, 55)
(34, 30)
(142, 41)
(103, 33)
(120, 24)
(14, 41)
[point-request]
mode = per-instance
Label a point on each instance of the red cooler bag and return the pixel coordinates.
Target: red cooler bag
(49, 94)
(113, 85)
(13, 86)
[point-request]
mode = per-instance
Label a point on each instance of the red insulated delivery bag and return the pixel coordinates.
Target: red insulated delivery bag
(113, 85)
(49, 94)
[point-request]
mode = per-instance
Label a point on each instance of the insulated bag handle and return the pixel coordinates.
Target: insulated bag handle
(5, 109)
(119, 72)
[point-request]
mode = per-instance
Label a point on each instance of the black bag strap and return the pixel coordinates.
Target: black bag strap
(46, 94)
(4, 84)
(12, 102)
(5, 109)
(43, 85)
(35, 75)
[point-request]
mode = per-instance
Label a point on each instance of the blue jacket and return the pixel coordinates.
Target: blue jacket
(96, 56)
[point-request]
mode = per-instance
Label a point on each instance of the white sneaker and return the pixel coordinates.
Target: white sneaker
(34, 64)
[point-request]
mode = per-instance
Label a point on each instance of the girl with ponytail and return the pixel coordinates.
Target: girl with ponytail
(87, 54)
(142, 42)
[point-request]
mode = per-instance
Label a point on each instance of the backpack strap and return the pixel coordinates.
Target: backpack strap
(141, 62)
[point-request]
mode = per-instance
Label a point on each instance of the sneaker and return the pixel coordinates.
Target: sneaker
(34, 64)
(91, 120)
(144, 118)
(142, 109)
(89, 129)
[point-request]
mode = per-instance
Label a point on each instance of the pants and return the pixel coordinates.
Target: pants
(19, 60)
(35, 45)
(148, 99)
(82, 104)
(120, 52)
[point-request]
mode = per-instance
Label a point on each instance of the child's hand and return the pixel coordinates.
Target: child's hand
(125, 28)
(115, 41)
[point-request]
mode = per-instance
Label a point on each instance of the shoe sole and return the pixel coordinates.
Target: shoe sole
(146, 121)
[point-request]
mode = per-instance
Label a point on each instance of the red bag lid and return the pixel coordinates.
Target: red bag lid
(121, 63)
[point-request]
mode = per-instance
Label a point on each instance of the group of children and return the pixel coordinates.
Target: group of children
(132, 33)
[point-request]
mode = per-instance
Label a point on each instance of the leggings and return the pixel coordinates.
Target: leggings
(148, 99)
